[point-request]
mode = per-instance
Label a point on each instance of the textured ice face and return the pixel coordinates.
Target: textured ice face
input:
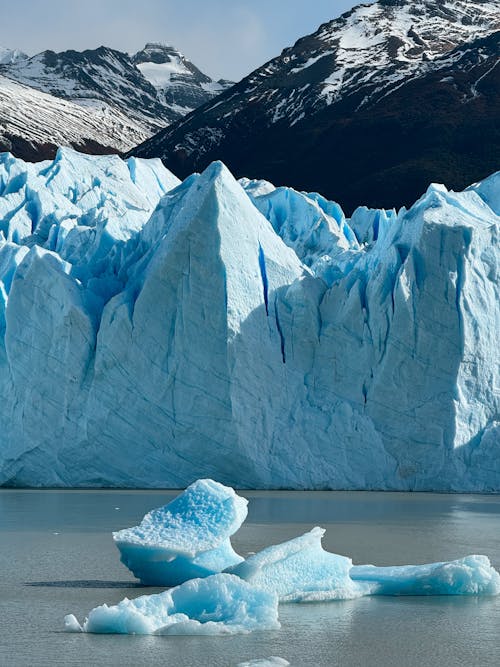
(219, 605)
(301, 571)
(187, 538)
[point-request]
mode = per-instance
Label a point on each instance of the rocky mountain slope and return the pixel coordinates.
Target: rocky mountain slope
(367, 108)
(118, 96)
(153, 332)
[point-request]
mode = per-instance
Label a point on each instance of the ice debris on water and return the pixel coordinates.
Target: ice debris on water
(192, 535)
(300, 570)
(272, 661)
(188, 538)
(218, 605)
(473, 575)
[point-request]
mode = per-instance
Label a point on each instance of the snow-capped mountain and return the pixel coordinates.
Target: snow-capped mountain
(34, 124)
(356, 69)
(109, 86)
(153, 332)
(9, 56)
(180, 84)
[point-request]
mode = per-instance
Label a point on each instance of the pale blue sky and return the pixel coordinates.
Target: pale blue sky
(226, 38)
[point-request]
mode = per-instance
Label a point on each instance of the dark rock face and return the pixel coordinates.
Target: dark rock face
(370, 108)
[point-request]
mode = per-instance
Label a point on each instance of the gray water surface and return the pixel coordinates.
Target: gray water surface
(57, 557)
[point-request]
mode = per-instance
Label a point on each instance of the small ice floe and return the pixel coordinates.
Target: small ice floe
(472, 575)
(273, 661)
(188, 538)
(218, 605)
(300, 570)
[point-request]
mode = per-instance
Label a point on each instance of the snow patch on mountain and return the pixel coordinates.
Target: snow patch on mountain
(42, 119)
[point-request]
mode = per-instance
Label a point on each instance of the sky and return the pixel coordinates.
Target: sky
(225, 38)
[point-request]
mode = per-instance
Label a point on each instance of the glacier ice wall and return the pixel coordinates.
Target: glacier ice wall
(153, 332)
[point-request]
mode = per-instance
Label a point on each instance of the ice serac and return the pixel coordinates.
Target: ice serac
(472, 575)
(188, 538)
(300, 570)
(315, 228)
(219, 605)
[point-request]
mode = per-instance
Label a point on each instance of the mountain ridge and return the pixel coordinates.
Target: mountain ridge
(270, 124)
(123, 105)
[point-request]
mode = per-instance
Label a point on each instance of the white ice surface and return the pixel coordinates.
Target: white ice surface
(300, 570)
(219, 605)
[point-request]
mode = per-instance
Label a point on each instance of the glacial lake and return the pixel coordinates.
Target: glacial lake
(57, 557)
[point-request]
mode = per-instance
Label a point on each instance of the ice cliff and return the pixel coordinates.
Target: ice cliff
(153, 332)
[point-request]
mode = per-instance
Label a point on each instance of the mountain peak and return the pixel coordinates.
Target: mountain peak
(10, 56)
(157, 52)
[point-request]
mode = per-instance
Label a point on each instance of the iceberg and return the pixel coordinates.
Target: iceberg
(272, 661)
(188, 538)
(153, 332)
(218, 605)
(300, 570)
(472, 575)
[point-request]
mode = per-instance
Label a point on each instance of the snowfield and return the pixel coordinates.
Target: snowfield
(153, 332)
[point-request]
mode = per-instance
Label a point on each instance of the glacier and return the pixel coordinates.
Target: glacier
(153, 332)
(188, 538)
(218, 605)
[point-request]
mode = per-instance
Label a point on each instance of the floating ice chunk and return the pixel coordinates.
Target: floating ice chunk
(187, 538)
(473, 575)
(301, 571)
(272, 661)
(220, 604)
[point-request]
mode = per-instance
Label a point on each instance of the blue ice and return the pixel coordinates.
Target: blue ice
(218, 605)
(188, 538)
